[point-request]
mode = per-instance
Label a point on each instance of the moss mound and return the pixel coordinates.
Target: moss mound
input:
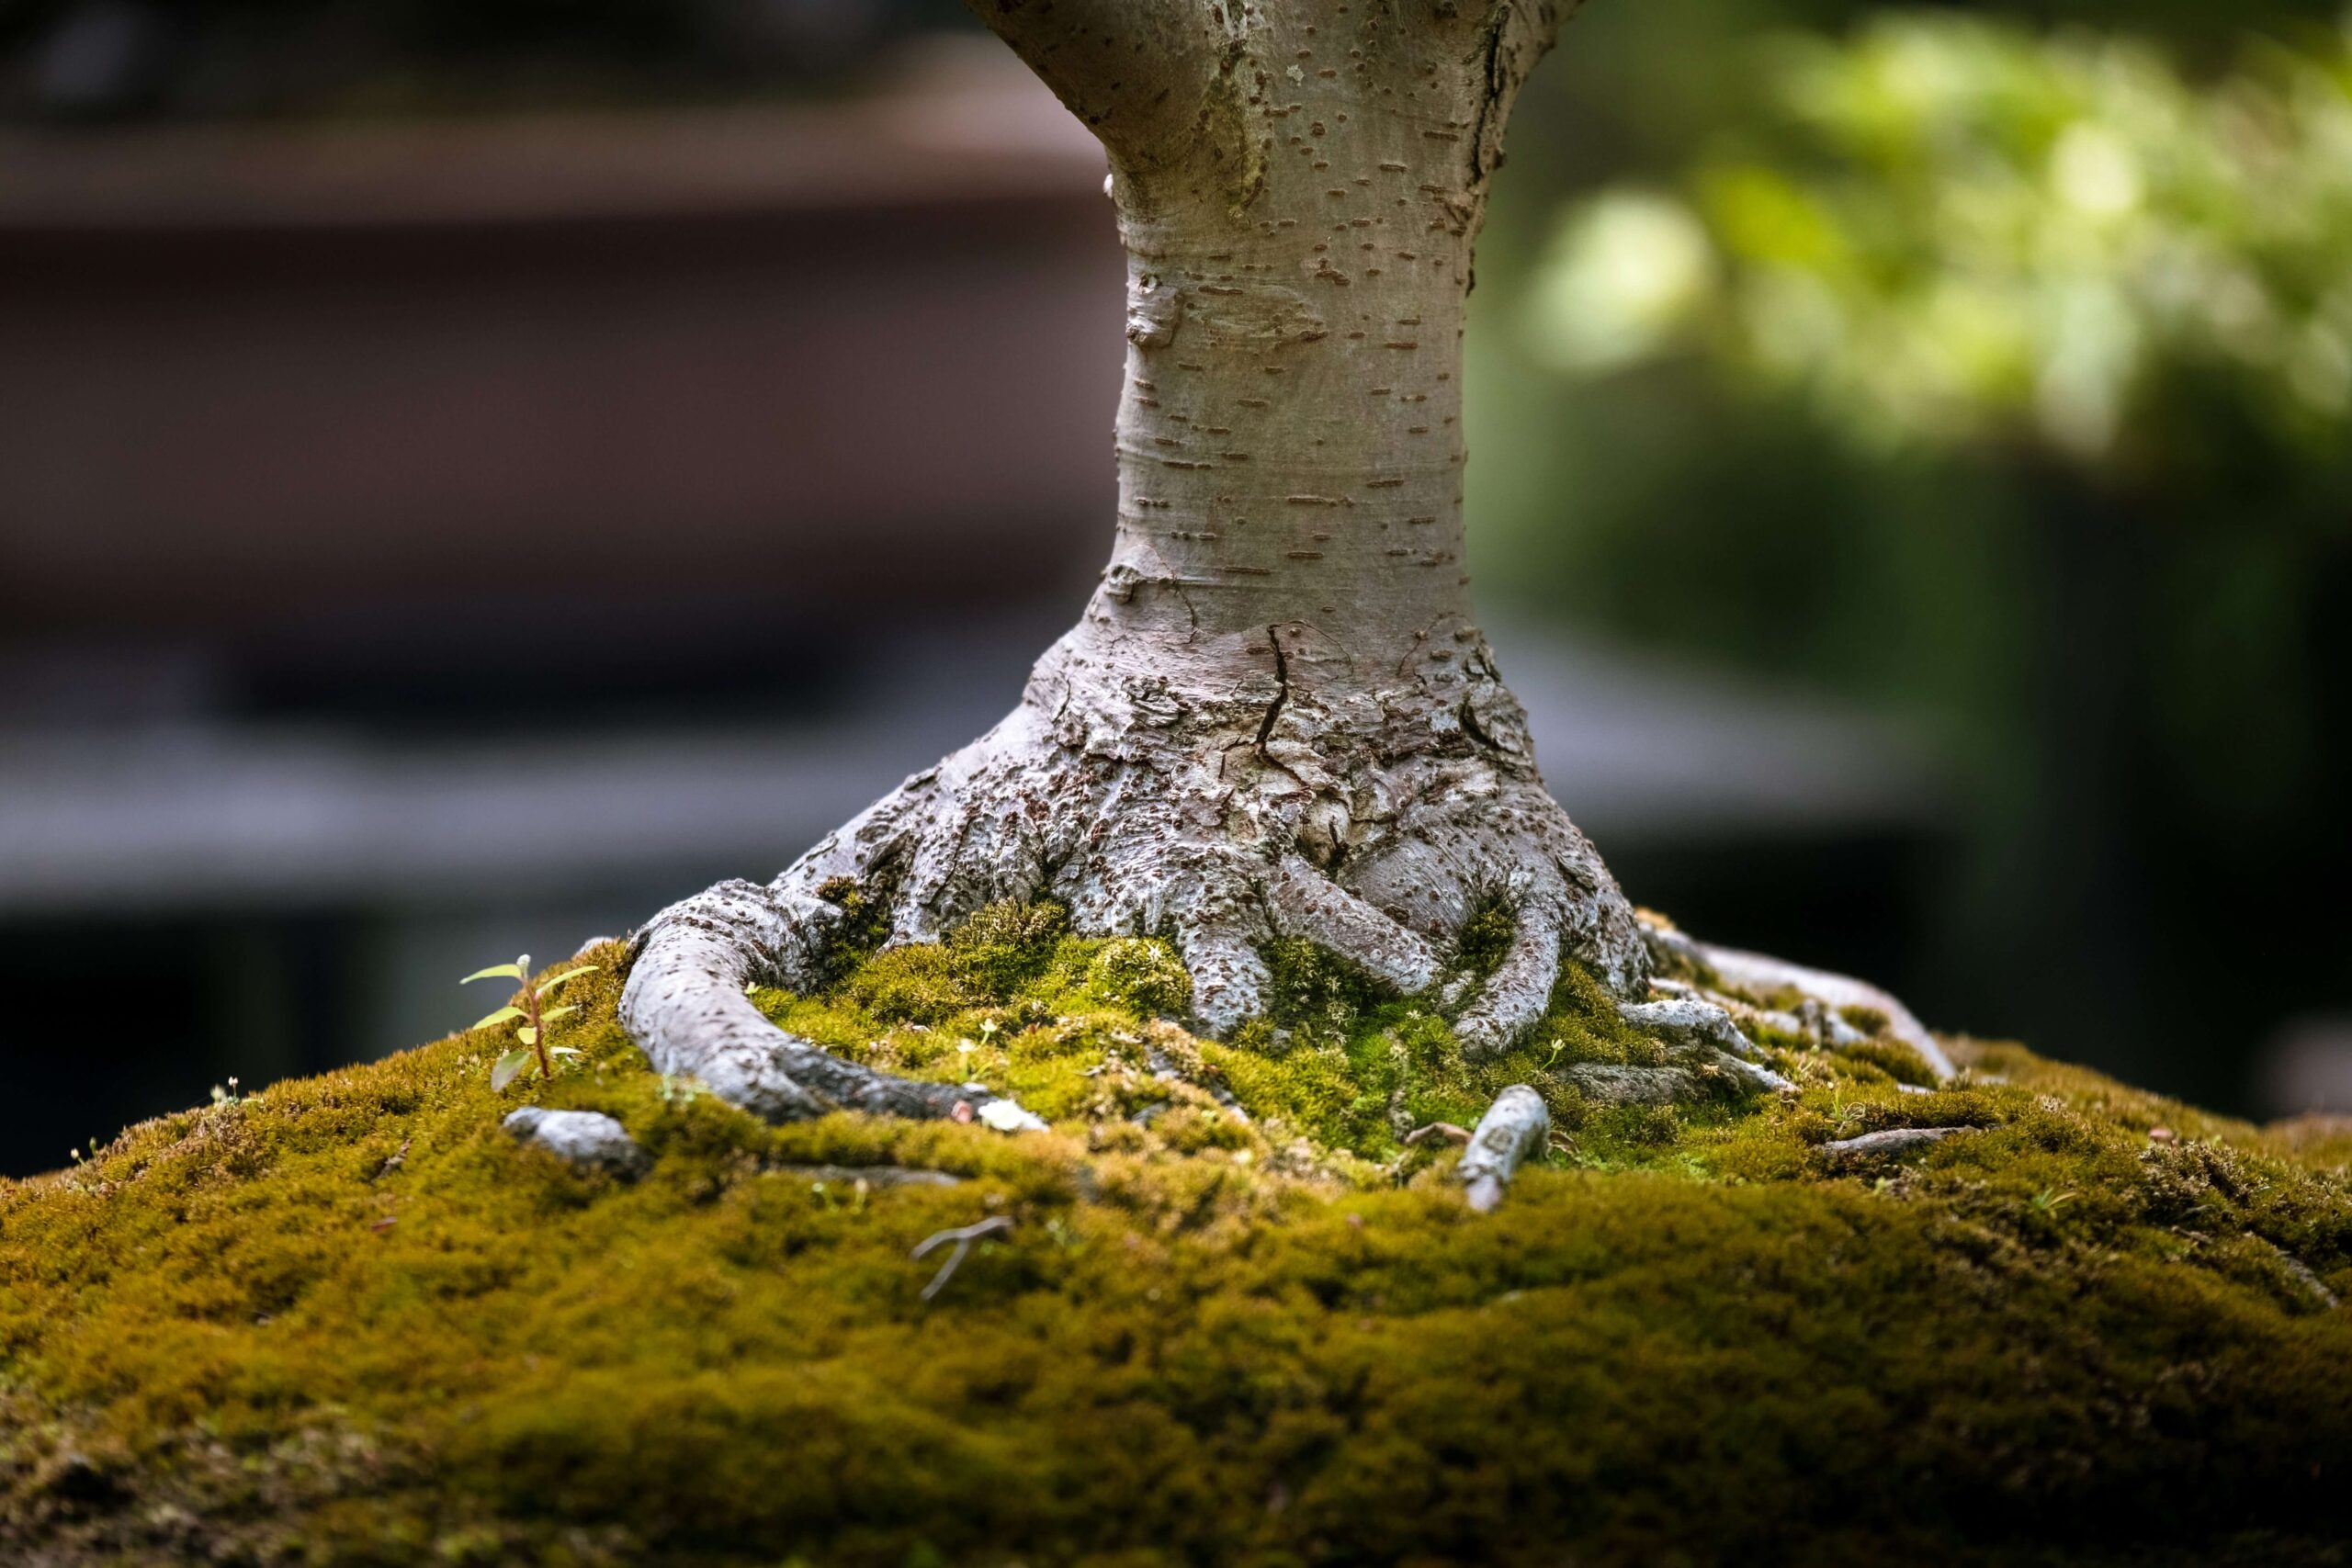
(349, 1320)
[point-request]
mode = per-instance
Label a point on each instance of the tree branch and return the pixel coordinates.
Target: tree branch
(1513, 36)
(1133, 71)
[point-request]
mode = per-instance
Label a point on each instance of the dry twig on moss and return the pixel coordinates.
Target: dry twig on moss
(962, 1238)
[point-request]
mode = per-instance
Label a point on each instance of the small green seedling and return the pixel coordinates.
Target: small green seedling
(532, 1020)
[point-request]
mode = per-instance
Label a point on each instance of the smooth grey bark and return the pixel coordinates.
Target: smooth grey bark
(1760, 974)
(1275, 716)
(587, 1138)
(1512, 1132)
(1894, 1141)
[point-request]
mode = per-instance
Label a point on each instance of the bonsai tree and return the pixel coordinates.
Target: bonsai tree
(1276, 717)
(2030, 1318)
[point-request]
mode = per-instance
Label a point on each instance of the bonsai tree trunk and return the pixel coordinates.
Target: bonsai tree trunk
(1276, 716)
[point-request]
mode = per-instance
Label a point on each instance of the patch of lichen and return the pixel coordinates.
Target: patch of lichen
(349, 1320)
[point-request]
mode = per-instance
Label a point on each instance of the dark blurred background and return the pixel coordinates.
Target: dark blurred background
(472, 471)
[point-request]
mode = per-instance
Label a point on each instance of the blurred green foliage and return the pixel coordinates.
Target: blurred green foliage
(2002, 379)
(1950, 229)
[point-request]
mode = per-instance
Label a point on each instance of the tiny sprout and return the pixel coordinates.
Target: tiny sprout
(530, 1018)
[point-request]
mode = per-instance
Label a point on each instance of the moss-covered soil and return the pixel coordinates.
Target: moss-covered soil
(350, 1320)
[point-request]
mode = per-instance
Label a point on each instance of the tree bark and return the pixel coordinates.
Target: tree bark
(1275, 717)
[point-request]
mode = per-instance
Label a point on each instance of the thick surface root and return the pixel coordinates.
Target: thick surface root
(685, 1005)
(1737, 983)
(1288, 802)
(1222, 815)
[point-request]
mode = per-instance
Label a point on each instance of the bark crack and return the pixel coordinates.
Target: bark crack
(1282, 695)
(1274, 713)
(1496, 89)
(1467, 715)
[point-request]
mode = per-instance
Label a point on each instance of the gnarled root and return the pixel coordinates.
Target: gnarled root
(1287, 796)
(685, 1005)
(1295, 800)
(1819, 1015)
(1708, 1029)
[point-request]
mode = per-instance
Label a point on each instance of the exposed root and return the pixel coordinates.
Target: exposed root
(1304, 903)
(868, 1178)
(1826, 996)
(1519, 991)
(1607, 1083)
(1688, 1022)
(1224, 805)
(686, 1004)
(584, 1138)
(1512, 1132)
(1892, 1143)
(1373, 813)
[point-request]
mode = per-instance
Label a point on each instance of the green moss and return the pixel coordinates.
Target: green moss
(1583, 1025)
(864, 924)
(1356, 1068)
(348, 1320)
(1317, 991)
(1006, 946)
(1485, 938)
(1141, 977)
(912, 984)
(992, 958)
(1870, 1020)
(1893, 1058)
